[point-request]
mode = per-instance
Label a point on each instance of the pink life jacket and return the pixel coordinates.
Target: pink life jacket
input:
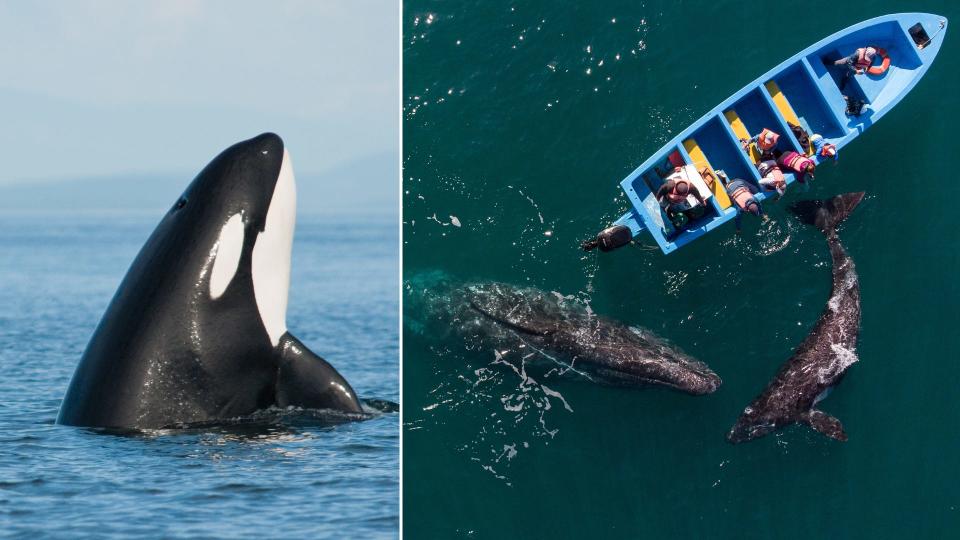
(796, 162)
(769, 169)
(777, 175)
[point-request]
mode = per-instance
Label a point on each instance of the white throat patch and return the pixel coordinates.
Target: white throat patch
(229, 247)
(271, 254)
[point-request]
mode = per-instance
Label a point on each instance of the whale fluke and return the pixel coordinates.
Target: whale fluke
(827, 214)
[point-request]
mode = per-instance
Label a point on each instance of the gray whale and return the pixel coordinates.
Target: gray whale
(822, 359)
(553, 328)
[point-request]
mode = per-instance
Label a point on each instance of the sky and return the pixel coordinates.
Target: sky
(113, 89)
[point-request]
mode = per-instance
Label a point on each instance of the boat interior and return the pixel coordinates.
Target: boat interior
(810, 92)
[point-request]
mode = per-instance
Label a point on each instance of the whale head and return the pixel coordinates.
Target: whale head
(196, 327)
(752, 424)
(636, 357)
(238, 214)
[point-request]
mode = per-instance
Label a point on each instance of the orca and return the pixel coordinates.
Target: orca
(556, 330)
(821, 360)
(196, 332)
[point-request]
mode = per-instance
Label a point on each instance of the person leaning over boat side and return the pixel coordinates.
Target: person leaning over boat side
(742, 194)
(859, 61)
(801, 165)
(822, 148)
(771, 177)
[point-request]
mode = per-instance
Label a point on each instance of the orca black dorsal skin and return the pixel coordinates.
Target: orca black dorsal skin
(197, 332)
(822, 359)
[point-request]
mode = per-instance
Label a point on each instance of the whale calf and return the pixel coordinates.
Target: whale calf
(196, 331)
(550, 327)
(821, 360)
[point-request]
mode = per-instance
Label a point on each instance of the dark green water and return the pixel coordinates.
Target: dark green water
(509, 132)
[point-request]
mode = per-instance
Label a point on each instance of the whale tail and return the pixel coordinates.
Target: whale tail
(827, 214)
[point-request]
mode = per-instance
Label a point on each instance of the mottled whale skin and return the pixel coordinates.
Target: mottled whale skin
(551, 327)
(821, 360)
(196, 333)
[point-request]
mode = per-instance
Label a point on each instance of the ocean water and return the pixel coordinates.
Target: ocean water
(290, 478)
(519, 120)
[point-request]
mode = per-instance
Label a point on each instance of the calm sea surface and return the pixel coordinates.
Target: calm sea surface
(289, 479)
(519, 120)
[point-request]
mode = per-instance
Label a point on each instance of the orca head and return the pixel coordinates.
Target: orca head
(235, 220)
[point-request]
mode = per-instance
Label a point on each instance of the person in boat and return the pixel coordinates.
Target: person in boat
(674, 193)
(822, 148)
(674, 197)
(799, 164)
(742, 194)
(765, 142)
(860, 60)
(771, 177)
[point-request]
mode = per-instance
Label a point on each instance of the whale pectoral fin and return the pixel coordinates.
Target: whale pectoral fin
(824, 423)
(306, 380)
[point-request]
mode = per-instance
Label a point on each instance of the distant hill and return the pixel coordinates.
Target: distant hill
(363, 186)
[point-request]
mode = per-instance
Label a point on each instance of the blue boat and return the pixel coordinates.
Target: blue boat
(806, 90)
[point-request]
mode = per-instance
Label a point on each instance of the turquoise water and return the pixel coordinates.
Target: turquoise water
(512, 126)
(291, 478)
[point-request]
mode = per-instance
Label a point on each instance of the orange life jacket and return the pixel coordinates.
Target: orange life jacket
(864, 57)
(742, 197)
(767, 140)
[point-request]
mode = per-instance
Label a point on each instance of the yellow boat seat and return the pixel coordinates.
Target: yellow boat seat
(740, 130)
(700, 162)
(785, 109)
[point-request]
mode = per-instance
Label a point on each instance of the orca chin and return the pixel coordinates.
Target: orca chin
(196, 332)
